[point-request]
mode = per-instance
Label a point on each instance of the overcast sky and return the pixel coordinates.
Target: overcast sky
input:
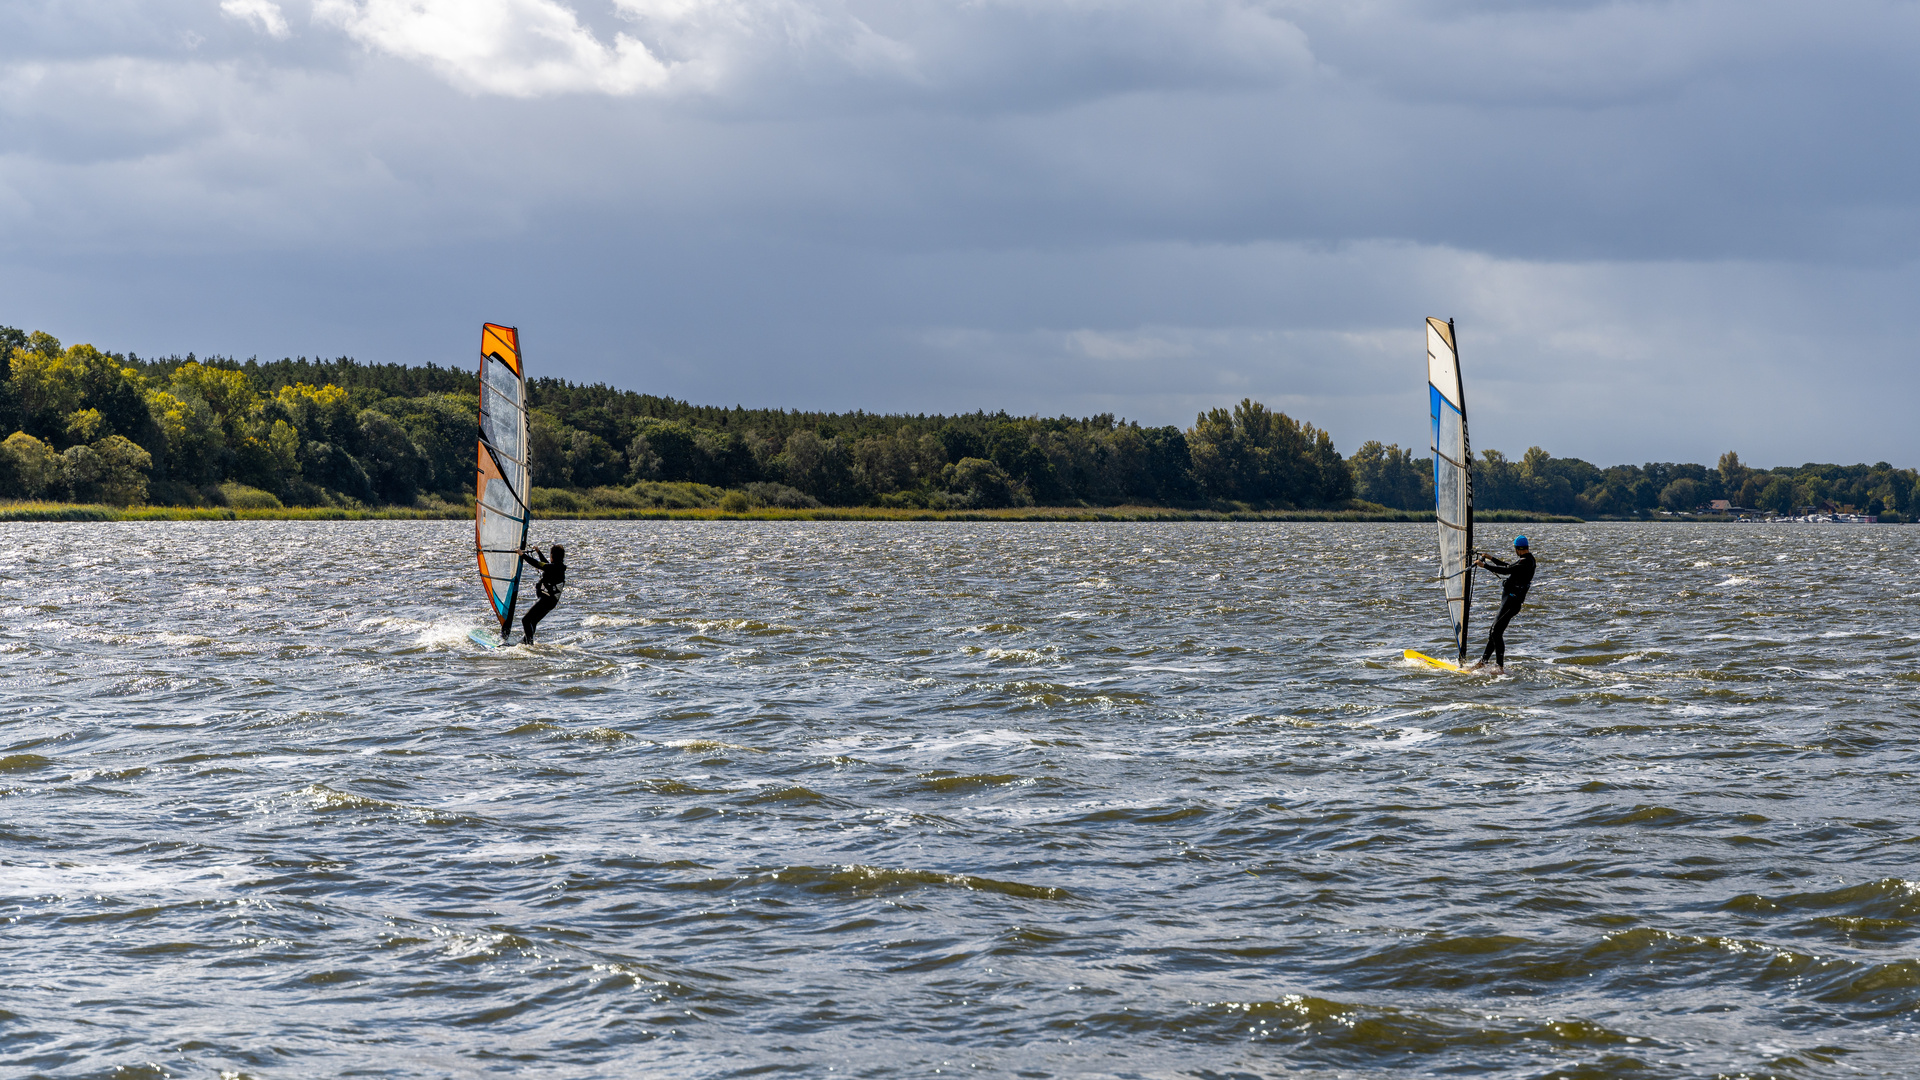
(1665, 229)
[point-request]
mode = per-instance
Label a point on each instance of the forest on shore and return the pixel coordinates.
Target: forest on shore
(97, 427)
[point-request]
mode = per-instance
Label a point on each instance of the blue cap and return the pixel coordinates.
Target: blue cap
(1519, 541)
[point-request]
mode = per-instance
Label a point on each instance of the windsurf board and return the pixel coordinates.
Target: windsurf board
(1444, 665)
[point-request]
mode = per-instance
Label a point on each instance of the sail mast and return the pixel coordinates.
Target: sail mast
(1466, 459)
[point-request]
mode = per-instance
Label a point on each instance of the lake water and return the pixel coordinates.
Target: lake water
(904, 800)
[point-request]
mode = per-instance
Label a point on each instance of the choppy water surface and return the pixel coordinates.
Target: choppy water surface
(895, 800)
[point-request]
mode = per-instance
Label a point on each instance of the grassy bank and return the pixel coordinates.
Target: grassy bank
(45, 511)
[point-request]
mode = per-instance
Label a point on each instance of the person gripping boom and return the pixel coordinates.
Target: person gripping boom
(553, 579)
(1518, 575)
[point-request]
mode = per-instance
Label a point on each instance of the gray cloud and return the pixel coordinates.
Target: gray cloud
(1652, 219)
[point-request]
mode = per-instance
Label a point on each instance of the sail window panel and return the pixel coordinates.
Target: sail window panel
(499, 531)
(502, 380)
(1449, 430)
(1453, 557)
(500, 501)
(502, 418)
(511, 477)
(1450, 493)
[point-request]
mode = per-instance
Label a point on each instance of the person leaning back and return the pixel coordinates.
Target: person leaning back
(1516, 577)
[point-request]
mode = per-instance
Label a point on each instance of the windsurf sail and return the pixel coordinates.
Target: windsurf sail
(500, 512)
(1452, 476)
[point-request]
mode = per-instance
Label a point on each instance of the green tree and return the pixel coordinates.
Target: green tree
(1259, 455)
(1391, 477)
(899, 462)
(332, 467)
(1809, 489)
(722, 458)
(85, 425)
(592, 462)
(1733, 475)
(317, 413)
(1680, 496)
(441, 427)
(191, 433)
(80, 470)
(395, 468)
(1011, 446)
(29, 468)
(1496, 483)
(822, 468)
(1165, 474)
(10, 339)
(1777, 496)
(1548, 484)
(642, 462)
(122, 468)
(981, 484)
(672, 452)
(547, 442)
(45, 386)
(1900, 483)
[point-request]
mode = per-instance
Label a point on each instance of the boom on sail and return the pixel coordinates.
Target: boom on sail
(500, 511)
(1452, 476)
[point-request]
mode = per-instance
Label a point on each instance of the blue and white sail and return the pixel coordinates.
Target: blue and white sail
(1452, 476)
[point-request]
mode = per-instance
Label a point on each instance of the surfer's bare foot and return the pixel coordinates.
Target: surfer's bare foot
(1476, 665)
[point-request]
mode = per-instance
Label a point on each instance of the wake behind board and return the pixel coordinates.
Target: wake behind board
(486, 638)
(1444, 665)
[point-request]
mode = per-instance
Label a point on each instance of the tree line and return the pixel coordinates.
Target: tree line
(1544, 484)
(95, 426)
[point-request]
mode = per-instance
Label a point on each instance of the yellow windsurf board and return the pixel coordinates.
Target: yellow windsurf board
(1444, 665)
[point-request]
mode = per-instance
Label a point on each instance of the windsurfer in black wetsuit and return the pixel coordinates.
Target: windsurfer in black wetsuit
(553, 579)
(1513, 593)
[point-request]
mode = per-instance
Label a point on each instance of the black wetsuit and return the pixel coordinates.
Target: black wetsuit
(553, 578)
(1518, 574)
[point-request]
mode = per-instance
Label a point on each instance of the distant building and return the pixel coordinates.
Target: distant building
(1722, 506)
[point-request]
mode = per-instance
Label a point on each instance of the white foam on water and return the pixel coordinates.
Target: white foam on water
(614, 621)
(994, 737)
(444, 632)
(1024, 656)
(1410, 736)
(119, 879)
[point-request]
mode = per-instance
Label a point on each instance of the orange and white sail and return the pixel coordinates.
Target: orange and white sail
(500, 510)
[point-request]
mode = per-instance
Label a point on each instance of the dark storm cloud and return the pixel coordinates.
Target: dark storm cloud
(1651, 219)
